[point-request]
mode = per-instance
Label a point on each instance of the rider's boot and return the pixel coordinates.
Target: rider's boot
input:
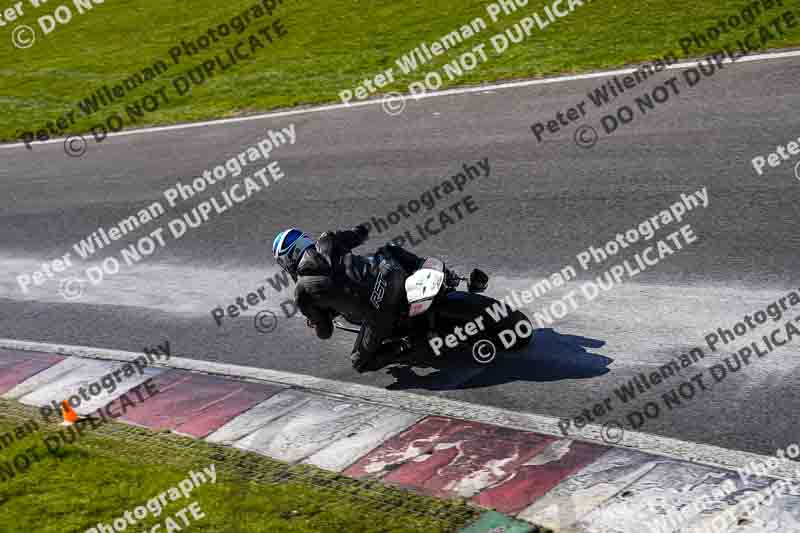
(363, 362)
(389, 352)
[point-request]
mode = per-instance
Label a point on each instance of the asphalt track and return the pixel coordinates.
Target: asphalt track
(540, 206)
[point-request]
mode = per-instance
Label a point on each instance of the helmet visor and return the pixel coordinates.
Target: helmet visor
(289, 259)
(286, 263)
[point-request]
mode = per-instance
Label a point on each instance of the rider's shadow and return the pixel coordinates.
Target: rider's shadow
(550, 357)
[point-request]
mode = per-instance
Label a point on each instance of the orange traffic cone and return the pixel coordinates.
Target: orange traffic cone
(70, 416)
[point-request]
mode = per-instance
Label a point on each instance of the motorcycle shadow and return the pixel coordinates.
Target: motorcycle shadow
(550, 356)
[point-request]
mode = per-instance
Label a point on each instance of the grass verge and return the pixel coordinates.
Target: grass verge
(327, 46)
(116, 468)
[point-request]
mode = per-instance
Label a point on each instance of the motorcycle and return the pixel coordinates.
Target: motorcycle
(434, 309)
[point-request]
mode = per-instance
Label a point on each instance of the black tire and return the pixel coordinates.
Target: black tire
(462, 307)
(513, 320)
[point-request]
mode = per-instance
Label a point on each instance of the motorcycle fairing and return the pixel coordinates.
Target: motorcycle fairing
(423, 285)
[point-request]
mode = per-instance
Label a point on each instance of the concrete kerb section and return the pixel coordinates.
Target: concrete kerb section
(431, 405)
(497, 459)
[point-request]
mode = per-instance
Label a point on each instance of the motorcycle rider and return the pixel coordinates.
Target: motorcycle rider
(331, 280)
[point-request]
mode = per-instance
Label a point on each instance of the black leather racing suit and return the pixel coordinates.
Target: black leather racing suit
(366, 289)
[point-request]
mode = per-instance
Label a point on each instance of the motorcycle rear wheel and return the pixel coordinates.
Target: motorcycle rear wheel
(461, 308)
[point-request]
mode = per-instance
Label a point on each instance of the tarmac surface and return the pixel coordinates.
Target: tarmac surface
(539, 207)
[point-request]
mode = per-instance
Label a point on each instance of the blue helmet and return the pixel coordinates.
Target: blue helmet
(288, 248)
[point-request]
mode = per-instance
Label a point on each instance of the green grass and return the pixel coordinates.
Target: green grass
(331, 45)
(118, 468)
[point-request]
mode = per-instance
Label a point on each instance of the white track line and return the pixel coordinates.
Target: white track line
(432, 405)
(435, 94)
